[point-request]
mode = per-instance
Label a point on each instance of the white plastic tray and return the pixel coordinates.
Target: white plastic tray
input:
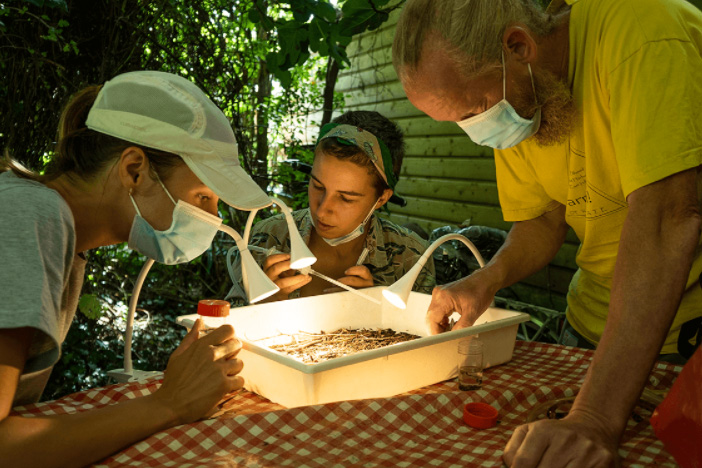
(369, 374)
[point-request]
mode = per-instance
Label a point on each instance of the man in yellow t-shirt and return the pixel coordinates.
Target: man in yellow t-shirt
(592, 107)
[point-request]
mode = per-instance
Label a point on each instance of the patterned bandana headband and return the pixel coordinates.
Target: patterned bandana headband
(371, 146)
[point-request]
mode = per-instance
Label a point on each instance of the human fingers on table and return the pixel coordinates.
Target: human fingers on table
(524, 449)
(514, 443)
(555, 444)
(332, 290)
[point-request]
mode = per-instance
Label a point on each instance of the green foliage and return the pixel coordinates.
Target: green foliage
(290, 182)
(90, 306)
(306, 27)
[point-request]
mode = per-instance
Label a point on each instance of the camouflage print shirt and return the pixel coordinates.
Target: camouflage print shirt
(392, 251)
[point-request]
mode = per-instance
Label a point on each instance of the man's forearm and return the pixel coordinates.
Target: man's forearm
(530, 246)
(656, 252)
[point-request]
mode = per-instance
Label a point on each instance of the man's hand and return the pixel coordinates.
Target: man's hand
(469, 296)
(277, 268)
(578, 440)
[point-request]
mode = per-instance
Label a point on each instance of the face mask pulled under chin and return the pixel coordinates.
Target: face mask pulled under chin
(191, 233)
(353, 234)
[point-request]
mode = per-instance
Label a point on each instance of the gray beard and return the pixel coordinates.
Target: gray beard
(558, 111)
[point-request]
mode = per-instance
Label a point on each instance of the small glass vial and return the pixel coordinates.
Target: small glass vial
(213, 312)
(470, 363)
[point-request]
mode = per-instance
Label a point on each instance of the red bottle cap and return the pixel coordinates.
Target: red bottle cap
(479, 415)
(213, 308)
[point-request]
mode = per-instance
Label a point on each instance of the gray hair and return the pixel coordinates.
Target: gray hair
(472, 28)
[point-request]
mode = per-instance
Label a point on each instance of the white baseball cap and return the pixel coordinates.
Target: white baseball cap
(169, 113)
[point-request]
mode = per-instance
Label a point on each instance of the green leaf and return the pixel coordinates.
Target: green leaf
(90, 306)
(272, 60)
(301, 16)
(352, 7)
(62, 23)
(376, 21)
(323, 48)
(267, 23)
(339, 55)
(39, 3)
(285, 78)
(325, 11)
(57, 4)
(355, 24)
(304, 56)
(344, 40)
(254, 16)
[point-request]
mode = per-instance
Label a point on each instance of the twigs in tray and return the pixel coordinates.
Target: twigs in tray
(317, 347)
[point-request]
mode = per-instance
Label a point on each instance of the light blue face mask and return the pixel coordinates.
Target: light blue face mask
(353, 234)
(190, 234)
(500, 126)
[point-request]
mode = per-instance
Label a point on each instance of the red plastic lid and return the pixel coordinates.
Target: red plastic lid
(479, 415)
(213, 308)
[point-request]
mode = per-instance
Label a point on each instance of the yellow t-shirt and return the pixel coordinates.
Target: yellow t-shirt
(635, 71)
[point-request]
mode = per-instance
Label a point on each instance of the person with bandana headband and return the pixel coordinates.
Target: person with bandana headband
(592, 108)
(142, 159)
(357, 162)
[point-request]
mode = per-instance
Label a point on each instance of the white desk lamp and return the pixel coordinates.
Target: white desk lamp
(398, 293)
(256, 284)
(300, 255)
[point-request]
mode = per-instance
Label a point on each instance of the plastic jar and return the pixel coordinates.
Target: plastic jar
(470, 363)
(213, 312)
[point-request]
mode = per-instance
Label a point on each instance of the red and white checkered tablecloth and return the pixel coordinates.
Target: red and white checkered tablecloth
(423, 428)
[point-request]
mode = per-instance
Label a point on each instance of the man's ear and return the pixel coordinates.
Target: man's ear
(519, 44)
(387, 193)
(134, 167)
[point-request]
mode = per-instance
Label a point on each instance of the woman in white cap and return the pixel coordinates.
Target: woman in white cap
(357, 163)
(142, 159)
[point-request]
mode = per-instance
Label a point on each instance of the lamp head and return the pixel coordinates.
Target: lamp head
(257, 284)
(300, 255)
(398, 293)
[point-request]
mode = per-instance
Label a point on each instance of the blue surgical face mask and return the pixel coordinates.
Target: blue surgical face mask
(190, 234)
(353, 234)
(500, 126)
